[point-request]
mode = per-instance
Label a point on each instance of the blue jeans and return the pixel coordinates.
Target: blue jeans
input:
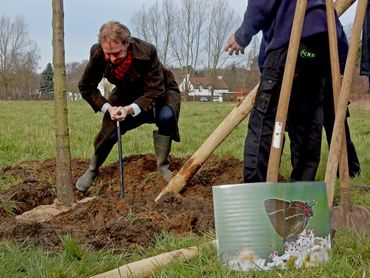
(165, 120)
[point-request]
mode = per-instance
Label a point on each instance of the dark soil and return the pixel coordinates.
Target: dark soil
(107, 221)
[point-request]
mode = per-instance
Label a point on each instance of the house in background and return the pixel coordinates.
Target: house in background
(203, 89)
(241, 92)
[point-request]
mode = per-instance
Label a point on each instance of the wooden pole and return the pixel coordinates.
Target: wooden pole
(335, 144)
(285, 92)
(147, 267)
(197, 160)
(336, 84)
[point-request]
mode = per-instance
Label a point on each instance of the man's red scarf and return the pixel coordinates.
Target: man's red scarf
(120, 71)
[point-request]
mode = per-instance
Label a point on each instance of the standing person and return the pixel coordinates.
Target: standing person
(305, 115)
(145, 92)
(328, 106)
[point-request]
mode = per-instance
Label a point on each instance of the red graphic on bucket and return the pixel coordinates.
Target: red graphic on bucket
(289, 218)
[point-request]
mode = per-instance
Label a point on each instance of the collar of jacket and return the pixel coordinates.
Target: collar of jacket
(140, 49)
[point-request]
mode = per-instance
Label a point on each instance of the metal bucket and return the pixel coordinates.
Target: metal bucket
(267, 225)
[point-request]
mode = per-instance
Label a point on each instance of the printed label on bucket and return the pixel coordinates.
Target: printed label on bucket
(267, 226)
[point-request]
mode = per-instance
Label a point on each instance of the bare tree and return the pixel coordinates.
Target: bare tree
(154, 23)
(253, 71)
(168, 25)
(15, 47)
(140, 24)
(221, 22)
(26, 83)
(74, 71)
(187, 44)
(63, 154)
(190, 34)
(156, 26)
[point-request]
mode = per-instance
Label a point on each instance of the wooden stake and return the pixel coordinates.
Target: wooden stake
(147, 267)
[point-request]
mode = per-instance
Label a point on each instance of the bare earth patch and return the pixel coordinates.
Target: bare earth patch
(106, 221)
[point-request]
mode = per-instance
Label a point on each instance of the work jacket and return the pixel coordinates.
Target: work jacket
(275, 19)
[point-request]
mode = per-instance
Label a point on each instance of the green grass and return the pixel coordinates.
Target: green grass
(346, 261)
(350, 258)
(27, 133)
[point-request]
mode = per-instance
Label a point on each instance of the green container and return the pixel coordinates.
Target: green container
(268, 225)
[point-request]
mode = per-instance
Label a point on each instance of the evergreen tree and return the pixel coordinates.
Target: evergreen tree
(46, 82)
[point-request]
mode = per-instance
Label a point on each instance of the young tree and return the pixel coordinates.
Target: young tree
(64, 186)
(46, 81)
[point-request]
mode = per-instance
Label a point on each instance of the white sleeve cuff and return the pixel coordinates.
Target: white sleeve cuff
(105, 107)
(136, 109)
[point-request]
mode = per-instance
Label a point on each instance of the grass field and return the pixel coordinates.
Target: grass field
(27, 133)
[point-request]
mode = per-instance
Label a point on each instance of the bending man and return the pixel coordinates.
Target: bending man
(145, 92)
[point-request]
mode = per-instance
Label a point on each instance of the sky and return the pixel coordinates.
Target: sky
(82, 20)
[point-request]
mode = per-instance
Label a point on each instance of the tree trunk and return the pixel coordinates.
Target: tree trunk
(65, 193)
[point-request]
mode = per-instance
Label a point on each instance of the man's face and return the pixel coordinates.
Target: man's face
(115, 52)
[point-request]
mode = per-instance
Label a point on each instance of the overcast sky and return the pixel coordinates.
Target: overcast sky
(82, 20)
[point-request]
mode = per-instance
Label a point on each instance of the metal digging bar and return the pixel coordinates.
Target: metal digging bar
(119, 142)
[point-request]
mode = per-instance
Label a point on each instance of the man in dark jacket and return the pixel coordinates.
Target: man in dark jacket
(145, 92)
(275, 19)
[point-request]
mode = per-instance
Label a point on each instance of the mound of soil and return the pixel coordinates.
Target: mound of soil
(107, 221)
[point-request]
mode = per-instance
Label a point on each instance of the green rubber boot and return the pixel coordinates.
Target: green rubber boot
(86, 180)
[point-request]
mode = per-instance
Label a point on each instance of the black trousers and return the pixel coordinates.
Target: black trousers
(305, 114)
(365, 53)
(329, 118)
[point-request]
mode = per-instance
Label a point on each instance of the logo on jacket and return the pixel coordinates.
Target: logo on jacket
(307, 54)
